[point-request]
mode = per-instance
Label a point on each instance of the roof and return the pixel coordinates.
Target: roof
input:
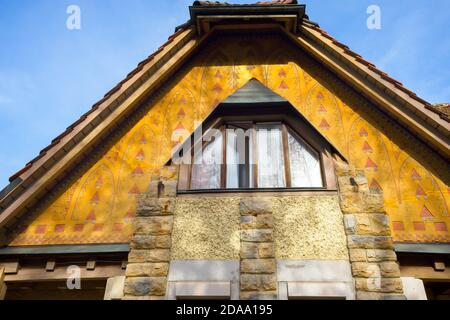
(428, 122)
(263, 3)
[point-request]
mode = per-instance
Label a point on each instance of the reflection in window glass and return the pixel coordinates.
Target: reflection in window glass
(271, 172)
(305, 164)
(239, 155)
(207, 165)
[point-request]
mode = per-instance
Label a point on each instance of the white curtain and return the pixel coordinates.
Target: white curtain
(271, 172)
(207, 174)
(305, 165)
(232, 160)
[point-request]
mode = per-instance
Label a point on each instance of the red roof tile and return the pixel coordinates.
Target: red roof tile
(270, 3)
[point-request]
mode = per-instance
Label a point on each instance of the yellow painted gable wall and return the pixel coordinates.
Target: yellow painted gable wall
(99, 206)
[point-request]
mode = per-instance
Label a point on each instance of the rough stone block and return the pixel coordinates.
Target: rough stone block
(357, 255)
(260, 221)
(147, 270)
(153, 225)
(377, 255)
(255, 206)
(145, 286)
(148, 206)
(169, 189)
(362, 202)
(151, 242)
(369, 242)
(368, 284)
(250, 250)
(365, 270)
(257, 235)
(258, 266)
(257, 282)
(390, 269)
(155, 255)
(379, 223)
(344, 169)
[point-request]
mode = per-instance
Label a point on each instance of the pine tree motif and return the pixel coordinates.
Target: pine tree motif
(420, 192)
(320, 96)
(91, 217)
(134, 191)
(322, 109)
(183, 100)
(370, 164)
(283, 85)
(363, 133)
(99, 183)
(141, 155)
(95, 199)
(375, 186)
(218, 75)
(138, 172)
(143, 140)
(415, 175)
(282, 73)
(130, 215)
(367, 148)
(217, 88)
(181, 113)
(180, 127)
(324, 125)
(426, 214)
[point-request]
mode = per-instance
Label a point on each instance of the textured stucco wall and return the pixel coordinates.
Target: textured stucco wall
(309, 227)
(306, 227)
(206, 229)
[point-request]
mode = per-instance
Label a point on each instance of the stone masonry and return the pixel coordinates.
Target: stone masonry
(2, 284)
(258, 280)
(373, 260)
(149, 258)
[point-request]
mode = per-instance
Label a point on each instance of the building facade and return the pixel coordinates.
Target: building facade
(252, 156)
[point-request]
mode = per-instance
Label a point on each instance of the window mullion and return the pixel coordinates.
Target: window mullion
(223, 167)
(287, 163)
(255, 156)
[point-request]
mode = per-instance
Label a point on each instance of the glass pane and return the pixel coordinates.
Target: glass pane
(239, 169)
(305, 164)
(271, 172)
(206, 167)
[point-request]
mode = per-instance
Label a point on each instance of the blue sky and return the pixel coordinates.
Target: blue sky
(50, 75)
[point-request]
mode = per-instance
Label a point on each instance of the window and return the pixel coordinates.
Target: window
(248, 155)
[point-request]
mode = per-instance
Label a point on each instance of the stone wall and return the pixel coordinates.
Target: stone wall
(258, 276)
(309, 228)
(149, 258)
(2, 284)
(374, 262)
(206, 228)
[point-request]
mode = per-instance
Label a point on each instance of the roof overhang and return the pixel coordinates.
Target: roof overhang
(206, 17)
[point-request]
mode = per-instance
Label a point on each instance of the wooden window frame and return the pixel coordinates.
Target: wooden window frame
(326, 166)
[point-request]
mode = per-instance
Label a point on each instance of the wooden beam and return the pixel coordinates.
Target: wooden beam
(10, 267)
(31, 274)
(50, 266)
(425, 273)
(90, 265)
(2, 284)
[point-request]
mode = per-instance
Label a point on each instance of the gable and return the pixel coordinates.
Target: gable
(100, 194)
(96, 204)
